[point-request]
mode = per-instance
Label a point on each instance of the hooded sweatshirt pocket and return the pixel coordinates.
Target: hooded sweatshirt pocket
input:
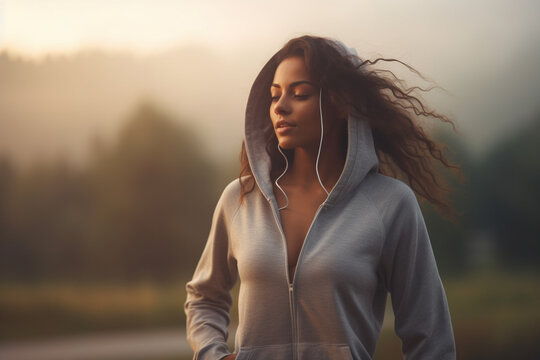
(324, 351)
(268, 352)
(305, 351)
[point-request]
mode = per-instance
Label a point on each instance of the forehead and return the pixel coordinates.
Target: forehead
(290, 70)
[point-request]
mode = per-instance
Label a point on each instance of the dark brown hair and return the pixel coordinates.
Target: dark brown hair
(404, 149)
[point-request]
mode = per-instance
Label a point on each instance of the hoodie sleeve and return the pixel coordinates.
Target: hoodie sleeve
(422, 318)
(208, 299)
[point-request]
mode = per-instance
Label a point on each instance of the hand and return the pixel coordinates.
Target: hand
(230, 357)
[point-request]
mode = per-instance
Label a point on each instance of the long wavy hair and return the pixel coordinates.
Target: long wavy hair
(405, 151)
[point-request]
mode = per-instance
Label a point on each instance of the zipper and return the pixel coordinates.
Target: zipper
(290, 284)
(305, 240)
(293, 322)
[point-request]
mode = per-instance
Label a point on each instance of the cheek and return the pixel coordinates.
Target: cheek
(310, 113)
(272, 114)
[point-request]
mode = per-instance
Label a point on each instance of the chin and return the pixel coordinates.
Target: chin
(287, 144)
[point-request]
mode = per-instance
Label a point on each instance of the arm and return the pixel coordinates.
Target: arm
(422, 319)
(208, 293)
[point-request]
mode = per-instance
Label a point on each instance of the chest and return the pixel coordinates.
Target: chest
(296, 220)
(342, 247)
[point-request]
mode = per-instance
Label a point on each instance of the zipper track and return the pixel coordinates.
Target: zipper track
(290, 284)
(293, 322)
(305, 240)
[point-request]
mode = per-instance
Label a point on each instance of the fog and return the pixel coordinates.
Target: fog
(65, 76)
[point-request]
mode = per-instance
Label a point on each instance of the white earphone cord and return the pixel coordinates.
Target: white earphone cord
(320, 144)
(316, 163)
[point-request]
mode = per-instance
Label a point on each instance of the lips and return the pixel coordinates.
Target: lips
(283, 124)
(283, 127)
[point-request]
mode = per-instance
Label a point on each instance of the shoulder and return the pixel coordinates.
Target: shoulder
(229, 201)
(232, 189)
(394, 200)
(386, 191)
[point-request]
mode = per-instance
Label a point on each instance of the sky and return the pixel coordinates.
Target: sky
(484, 52)
(437, 35)
(36, 27)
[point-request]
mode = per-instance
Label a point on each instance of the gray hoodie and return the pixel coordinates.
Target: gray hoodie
(367, 239)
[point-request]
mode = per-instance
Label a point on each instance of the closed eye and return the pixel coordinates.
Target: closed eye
(296, 96)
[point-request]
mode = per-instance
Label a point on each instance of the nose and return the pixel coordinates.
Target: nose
(281, 107)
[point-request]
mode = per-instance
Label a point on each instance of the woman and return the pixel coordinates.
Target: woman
(313, 229)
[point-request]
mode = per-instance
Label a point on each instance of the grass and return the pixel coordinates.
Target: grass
(32, 311)
(495, 315)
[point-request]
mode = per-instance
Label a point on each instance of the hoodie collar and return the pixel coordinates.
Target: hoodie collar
(361, 157)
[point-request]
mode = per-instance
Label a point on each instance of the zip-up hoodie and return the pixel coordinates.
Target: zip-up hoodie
(367, 239)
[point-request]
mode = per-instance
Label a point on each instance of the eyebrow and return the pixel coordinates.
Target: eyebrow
(296, 83)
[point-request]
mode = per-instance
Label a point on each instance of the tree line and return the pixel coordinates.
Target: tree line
(141, 208)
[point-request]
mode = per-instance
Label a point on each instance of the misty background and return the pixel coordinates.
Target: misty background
(121, 123)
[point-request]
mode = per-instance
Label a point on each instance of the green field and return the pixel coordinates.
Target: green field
(34, 311)
(495, 315)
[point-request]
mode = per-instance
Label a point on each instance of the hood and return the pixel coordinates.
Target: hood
(361, 157)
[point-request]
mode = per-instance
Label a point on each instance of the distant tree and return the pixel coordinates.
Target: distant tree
(153, 193)
(507, 183)
(46, 210)
(450, 240)
(140, 210)
(8, 176)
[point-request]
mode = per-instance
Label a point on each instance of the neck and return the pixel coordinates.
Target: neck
(302, 171)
